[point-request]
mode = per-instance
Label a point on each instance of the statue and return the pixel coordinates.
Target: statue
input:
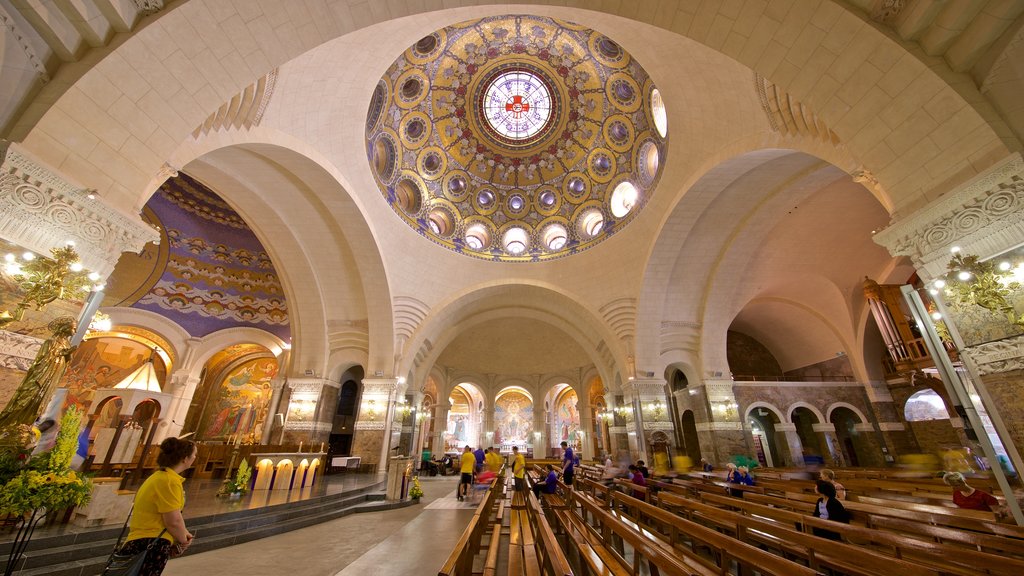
(42, 376)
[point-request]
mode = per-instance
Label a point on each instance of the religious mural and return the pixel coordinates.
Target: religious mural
(102, 363)
(513, 419)
(210, 272)
(567, 418)
(238, 407)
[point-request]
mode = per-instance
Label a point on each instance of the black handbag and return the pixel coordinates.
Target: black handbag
(127, 564)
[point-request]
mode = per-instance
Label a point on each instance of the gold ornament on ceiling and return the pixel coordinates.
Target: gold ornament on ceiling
(516, 138)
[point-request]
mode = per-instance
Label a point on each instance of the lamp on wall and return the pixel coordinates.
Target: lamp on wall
(657, 409)
(143, 378)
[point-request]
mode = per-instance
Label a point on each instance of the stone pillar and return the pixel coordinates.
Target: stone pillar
(587, 429)
(440, 427)
(411, 425)
(305, 419)
(273, 409)
(651, 412)
(892, 436)
(487, 428)
(182, 386)
(541, 447)
(721, 435)
(372, 439)
(795, 454)
(831, 444)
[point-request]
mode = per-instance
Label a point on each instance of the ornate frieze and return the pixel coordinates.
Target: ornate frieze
(720, 426)
(40, 210)
(984, 216)
(307, 426)
(308, 385)
(658, 425)
(999, 356)
(364, 425)
(646, 389)
(17, 350)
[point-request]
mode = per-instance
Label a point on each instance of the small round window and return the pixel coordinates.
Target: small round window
(623, 199)
(515, 240)
(592, 221)
(477, 236)
(658, 113)
(555, 236)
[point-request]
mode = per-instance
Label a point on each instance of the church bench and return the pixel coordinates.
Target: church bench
(547, 550)
(789, 542)
(724, 549)
(460, 561)
(636, 552)
(491, 562)
(593, 558)
(949, 557)
(976, 540)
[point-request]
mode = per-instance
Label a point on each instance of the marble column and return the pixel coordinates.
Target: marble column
(305, 419)
(794, 455)
(541, 430)
(721, 435)
(834, 454)
(440, 428)
(182, 386)
(373, 423)
(277, 387)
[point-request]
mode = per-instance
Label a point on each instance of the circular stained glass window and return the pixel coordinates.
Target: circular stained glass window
(517, 104)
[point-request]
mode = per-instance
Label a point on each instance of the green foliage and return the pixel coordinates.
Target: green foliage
(241, 480)
(67, 441)
(43, 481)
(415, 491)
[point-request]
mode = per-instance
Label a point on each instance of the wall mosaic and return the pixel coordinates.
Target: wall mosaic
(215, 274)
(516, 138)
(567, 419)
(238, 407)
(102, 363)
(513, 419)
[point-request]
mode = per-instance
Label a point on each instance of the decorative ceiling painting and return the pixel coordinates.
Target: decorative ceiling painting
(215, 274)
(516, 138)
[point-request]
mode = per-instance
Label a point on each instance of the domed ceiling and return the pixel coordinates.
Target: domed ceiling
(516, 138)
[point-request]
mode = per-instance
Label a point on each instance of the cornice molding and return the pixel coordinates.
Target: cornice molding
(984, 216)
(1000, 356)
(41, 211)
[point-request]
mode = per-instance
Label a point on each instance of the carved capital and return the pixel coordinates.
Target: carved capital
(645, 389)
(40, 211)
(379, 387)
(310, 386)
(984, 216)
(999, 356)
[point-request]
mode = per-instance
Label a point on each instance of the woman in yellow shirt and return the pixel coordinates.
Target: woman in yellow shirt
(158, 505)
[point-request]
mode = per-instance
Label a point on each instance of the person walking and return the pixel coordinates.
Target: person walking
(568, 462)
(518, 469)
(467, 466)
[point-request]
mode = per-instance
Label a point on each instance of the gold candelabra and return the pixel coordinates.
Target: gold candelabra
(43, 280)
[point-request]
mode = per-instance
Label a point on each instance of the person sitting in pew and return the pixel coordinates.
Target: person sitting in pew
(705, 465)
(642, 467)
(969, 498)
(636, 476)
(745, 477)
(830, 476)
(548, 484)
(829, 507)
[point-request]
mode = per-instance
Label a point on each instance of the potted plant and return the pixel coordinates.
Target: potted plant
(415, 491)
(234, 488)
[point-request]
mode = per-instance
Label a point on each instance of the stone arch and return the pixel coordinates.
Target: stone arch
(295, 195)
(209, 345)
(171, 331)
(476, 305)
(801, 404)
(851, 407)
(779, 414)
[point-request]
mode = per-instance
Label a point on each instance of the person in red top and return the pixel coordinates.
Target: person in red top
(637, 477)
(968, 498)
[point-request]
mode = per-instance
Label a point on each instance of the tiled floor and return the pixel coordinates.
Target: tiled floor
(409, 541)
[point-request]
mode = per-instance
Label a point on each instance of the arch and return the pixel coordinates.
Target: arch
(924, 405)
(691, 441)
(172, 332)
(779, 417)
(205, 348)
(801, 404)
(479, 304)
(513, 388)
(847, 405)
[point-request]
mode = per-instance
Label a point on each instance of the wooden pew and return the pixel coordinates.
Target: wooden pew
(724, 550)
(953, 559)
(460, 561)
(818, 553)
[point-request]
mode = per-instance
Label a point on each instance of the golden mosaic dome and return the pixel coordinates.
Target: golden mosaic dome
(516, 138)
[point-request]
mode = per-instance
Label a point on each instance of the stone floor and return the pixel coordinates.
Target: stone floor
(409, 541)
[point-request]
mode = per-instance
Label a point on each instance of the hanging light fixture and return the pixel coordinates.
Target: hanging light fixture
(143, 378)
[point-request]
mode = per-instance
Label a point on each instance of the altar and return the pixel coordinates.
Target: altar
(286, 470)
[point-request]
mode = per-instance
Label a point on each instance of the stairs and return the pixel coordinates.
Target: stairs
(85, 553)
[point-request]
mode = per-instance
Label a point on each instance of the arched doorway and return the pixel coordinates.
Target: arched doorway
(691, 442)
(232, 400)
(564, 419)
(804, 420)
(464, 417)
(677, 382)
(766, 438)
(343, 425)
(845, 421)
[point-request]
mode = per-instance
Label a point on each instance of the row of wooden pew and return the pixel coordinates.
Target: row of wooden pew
(516, 530)
(690, 526)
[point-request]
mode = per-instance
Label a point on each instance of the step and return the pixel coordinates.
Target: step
(85, 553)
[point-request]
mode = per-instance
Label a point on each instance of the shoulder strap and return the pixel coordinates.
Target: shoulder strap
(120, 537)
